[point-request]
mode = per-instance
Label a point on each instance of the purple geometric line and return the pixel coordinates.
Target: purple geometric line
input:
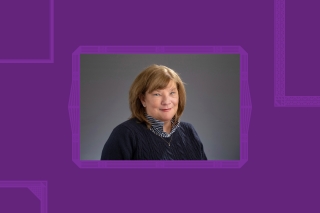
(51, 31)
(208, 164)
(245, 107)
(157, 49)
(74, 105)
(280, 99)
(38, 188)
(94, 164)
(74, 108)
(51, 44)
(26, 61)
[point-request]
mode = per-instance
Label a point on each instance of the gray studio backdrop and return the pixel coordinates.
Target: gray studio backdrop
(213, 98)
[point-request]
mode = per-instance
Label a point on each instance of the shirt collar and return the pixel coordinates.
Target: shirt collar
(157, 126)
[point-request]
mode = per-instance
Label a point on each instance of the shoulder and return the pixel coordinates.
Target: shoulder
(186, 125)
(190, 134)
(121, 143)
(130, 125)
(188, 129)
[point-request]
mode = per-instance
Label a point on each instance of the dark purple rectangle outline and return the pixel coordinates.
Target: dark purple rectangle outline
(38, 188)
(51, 39)
(280, 99)
(245, 105)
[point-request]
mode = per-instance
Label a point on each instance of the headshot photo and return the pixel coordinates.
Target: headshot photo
(160, 107)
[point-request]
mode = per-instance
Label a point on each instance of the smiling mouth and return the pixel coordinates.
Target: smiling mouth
(165, 110)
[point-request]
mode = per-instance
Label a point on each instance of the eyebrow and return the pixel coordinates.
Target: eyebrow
(172, 88)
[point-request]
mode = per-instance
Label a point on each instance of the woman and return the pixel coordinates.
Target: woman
(154, 132)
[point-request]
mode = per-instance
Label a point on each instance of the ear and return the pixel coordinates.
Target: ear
(142, 99)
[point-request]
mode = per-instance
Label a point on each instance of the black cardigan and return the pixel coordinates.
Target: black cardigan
(132, 140)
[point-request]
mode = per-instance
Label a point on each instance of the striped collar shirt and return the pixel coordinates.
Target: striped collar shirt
(157, 127)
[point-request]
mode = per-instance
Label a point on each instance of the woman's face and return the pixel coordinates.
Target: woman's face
(162, 104)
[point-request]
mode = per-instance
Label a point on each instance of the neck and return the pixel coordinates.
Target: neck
(167, 127)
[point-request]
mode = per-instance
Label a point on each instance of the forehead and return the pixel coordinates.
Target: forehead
(171, 85)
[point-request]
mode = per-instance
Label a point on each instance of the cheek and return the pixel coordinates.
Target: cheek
(176, 101)
(154, 103)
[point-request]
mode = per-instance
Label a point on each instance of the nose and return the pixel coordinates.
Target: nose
(165, 100)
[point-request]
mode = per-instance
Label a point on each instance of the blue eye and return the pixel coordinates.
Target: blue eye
(157, 94)
(172, 92)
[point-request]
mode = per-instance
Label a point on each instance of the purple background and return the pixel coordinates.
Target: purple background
(282, 172)
(23, 196)
(13, 200)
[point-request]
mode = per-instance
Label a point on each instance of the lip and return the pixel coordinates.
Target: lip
(165, 110)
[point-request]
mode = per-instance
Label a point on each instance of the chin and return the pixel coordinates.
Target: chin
(167, 118)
